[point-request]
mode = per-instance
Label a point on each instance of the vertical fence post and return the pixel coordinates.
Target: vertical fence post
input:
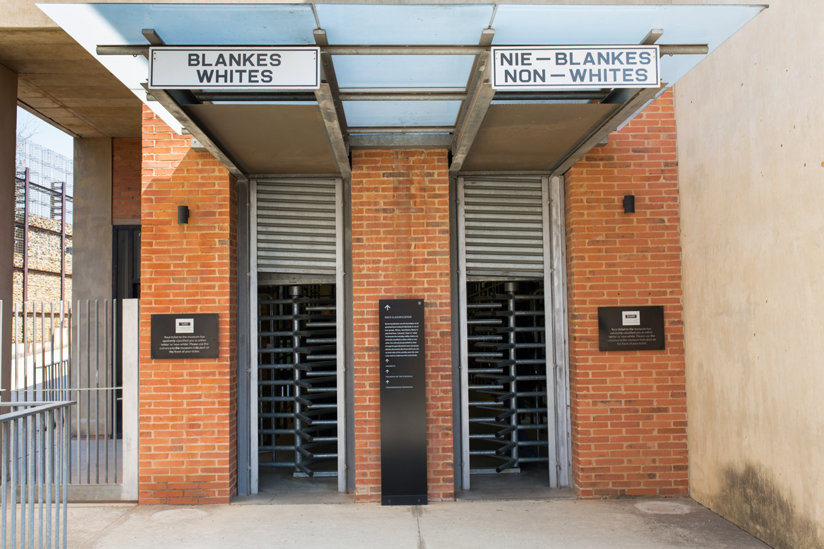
(26, 182)
(130, 360)
(63, 241)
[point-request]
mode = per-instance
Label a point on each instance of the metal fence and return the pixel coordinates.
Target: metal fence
(65, 351)
(34, 439)
(42, 223)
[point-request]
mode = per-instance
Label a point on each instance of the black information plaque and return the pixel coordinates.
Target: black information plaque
(184, 336)
(631, 328)
(403, 402)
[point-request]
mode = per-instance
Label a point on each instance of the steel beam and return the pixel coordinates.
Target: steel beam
(401, 96)
(637, 100)
(473, 110)
(400, 129)
(405, 50)
(333, 129)
(416, 140)
(652, 37)
(684, 49)
(152, 37)
(331, 108)
(666, 49)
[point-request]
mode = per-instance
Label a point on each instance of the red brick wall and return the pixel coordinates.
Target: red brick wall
(188, 451)
(126, 159)
(628, 408)
(400, 249)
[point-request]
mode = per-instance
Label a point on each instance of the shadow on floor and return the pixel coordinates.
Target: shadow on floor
(529, 484)
(283, 487)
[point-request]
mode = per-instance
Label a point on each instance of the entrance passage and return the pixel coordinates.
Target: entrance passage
(513, 334)
(507, 377)
(298, 409)
(297, 379)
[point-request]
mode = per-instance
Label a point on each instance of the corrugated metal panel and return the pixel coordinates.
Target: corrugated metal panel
(503, 224)
(296, 221)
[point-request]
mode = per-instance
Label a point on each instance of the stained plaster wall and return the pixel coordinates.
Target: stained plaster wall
(751, 156)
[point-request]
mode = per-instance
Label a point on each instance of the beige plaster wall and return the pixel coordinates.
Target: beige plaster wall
(751, 155)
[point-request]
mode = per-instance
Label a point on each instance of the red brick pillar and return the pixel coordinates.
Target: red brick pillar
(126, 166)
(629, 415)
(187, 406)
(400, 249)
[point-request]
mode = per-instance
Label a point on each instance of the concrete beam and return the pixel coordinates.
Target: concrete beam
(8, 146)
(92, 245)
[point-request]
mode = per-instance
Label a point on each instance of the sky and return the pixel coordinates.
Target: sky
(44, 134)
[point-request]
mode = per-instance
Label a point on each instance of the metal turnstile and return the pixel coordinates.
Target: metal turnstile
(507, 376)
(297, 379)
(512, 322)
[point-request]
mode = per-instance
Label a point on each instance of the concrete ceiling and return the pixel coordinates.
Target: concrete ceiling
(268, 139)
(63, 84)
(531, 137)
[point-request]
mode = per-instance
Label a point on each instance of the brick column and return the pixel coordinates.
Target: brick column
(629, 421)
(188, 451)
(126, 164)
(400, 249)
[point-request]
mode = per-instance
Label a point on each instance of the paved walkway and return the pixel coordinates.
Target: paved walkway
(561, 523)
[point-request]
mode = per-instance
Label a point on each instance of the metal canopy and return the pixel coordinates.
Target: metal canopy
(398, 75)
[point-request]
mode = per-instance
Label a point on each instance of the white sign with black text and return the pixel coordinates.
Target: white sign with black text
(234, 68)
(574, 67)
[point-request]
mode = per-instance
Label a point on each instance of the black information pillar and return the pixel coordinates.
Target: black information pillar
(403, 402)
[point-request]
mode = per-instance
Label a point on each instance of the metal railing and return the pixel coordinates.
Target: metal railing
(34, 447)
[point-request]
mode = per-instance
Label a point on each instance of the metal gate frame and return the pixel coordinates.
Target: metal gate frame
(340, 319)
(555, 303)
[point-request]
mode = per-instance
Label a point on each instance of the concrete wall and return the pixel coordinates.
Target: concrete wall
(751, 153)
(23, 14)
(8, 143)
(92, 243)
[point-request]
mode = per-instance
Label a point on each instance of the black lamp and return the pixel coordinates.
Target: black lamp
(629, 203)
(182, 215)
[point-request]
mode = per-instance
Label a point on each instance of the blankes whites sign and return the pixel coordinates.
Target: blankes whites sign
(234, 68)
(574, 67)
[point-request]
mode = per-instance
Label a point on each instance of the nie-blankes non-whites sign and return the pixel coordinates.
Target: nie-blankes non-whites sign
(574, 67)
(234, 68)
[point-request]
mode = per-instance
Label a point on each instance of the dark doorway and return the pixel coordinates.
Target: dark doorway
(125, 285)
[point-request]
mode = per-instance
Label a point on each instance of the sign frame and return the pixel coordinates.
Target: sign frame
(185, 335)
(631, 328)
(574, 56)
(172, 68)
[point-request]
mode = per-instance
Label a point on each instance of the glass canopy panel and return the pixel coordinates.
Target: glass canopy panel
(402, 71)
(572, 25)
(403, 24)
(401, 113)
(211, 24)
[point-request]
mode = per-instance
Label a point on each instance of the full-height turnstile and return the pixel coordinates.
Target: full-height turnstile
(514, 380)
(298, 413)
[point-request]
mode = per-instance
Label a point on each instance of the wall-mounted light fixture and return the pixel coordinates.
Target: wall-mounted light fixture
(182, 215)
(629, 203)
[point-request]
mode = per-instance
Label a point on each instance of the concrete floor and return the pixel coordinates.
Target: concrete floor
(564, 523)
